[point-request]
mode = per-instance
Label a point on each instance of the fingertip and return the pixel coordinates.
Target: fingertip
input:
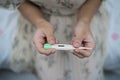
(50, 51)
(77, 50)
(85, 53)
(52, 41)
(53, 50)
(76, 44)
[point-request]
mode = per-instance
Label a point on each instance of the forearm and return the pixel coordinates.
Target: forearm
(31, 12)
(88, 10)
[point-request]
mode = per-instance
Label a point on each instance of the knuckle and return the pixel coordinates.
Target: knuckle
(87, 54)
(47, 54)
(40, 52)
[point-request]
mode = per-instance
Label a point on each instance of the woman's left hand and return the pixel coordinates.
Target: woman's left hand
(82, 37)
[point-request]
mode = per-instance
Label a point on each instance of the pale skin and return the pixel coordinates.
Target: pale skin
(82, 35)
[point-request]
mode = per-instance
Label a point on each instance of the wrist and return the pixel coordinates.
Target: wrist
(84, 20)
(83, 23)
(39, 23)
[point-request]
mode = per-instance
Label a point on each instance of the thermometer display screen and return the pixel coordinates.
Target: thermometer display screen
(60, 45)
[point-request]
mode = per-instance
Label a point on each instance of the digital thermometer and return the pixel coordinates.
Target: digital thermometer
(62, 47)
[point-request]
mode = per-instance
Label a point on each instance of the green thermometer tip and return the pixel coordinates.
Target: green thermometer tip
(47, 46)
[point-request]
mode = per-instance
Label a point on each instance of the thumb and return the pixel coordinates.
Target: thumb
(77, 42)
(50, 38)
(77, 39)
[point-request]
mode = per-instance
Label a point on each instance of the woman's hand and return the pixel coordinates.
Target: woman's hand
(44, 34)
(44, 30)
(82, 34)
(82, 37)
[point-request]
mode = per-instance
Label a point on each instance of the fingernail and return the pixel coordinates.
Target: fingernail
(76, 50)
(53, 51)
(76, 44)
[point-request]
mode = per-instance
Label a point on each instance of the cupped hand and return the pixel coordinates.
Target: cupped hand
(44, 34)
(82, 37)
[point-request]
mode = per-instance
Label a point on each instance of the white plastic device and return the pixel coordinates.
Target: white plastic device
(62, 47)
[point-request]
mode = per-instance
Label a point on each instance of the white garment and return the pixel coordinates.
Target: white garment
(8, 24)
(113, 48)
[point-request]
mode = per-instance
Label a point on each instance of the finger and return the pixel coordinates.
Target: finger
(76, 42)
(50, 38)
(78, 55)
(46, 52)
(39, 37)
(78, 36)
(77, 39)
(85, 53)
(77, 52)
(38, 41)
(90, 44)
(39, 45)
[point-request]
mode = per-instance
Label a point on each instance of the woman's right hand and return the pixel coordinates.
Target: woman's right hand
(44, 30)
(44, 34)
